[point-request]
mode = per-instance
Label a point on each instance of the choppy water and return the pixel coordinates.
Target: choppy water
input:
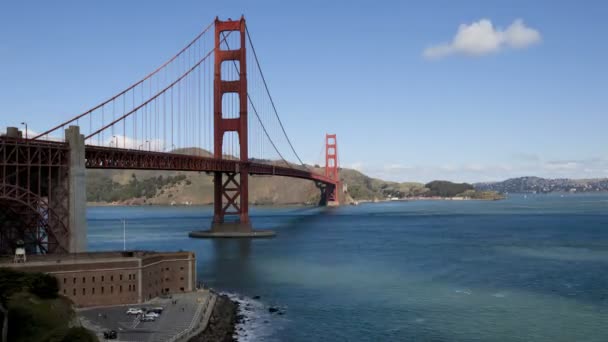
(523, 269)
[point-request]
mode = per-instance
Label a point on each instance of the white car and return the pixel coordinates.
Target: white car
(152, 314)
(147, 318)
(134, 311)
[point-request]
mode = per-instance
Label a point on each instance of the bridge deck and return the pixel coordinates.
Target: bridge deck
(100, 157)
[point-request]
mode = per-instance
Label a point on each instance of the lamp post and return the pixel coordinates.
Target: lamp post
(148, 142)
(124, 234)
(25, 123)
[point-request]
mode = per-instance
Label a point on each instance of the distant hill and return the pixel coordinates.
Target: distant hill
(139, 187)
(447, 189)
(362, 187)
(544, 185)
(163, 187)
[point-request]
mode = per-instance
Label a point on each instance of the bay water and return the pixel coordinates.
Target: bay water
(528, 268)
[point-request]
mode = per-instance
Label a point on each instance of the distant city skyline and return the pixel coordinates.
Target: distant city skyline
(469, 91)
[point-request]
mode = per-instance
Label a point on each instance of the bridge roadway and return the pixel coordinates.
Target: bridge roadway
(101, 157)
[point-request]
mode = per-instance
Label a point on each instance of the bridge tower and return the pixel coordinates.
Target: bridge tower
(231, 193)
(331, 169)
(231, 189)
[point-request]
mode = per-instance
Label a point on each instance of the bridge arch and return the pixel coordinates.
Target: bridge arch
(27, 216)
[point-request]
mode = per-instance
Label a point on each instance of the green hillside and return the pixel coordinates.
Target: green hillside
(35, 310)
(196, 188)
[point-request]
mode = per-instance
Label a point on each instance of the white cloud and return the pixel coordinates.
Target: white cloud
(357, 166)
(482, 38)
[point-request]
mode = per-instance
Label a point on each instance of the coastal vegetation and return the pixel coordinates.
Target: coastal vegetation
(104, 189)
(34, 298)
(164, 188)
(447, 189)
(151, 187)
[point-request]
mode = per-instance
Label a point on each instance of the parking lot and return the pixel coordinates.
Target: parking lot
(180, 313)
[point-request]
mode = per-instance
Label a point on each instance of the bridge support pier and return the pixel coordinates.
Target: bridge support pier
(77, 198)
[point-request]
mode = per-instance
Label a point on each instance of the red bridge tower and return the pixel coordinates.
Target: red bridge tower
(331, 168)
(231, 189)
(230, 193)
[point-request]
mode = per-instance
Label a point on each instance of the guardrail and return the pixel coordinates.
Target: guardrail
(198, 324)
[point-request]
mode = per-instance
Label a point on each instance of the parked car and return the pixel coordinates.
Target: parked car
(110, 335)
(147, 318)
(134, 311)
(158, 310)
(152, 314)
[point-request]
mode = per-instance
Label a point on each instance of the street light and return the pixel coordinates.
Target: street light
(148, 142)
(112, 141)
(25, 123)
(124, 234)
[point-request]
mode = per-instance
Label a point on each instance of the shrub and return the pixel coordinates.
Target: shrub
(79, 334)
(43, 285)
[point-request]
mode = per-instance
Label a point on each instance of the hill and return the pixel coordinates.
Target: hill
(32, 310)
(363, 187)
(447, 189)
(141, 187)
(196, 188)
(544, 185)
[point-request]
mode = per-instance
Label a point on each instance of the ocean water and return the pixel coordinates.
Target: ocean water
(531, 268)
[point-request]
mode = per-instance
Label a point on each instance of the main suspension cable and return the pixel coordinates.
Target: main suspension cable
(255, 110)
(170, 86)
(128, 89)
(270, 97)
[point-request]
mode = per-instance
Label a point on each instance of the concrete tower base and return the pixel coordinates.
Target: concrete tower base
(78, 192)
(231, 230)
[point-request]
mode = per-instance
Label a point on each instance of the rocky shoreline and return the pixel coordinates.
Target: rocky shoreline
(240, 318)
(222, 323)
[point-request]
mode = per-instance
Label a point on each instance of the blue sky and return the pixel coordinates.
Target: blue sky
(493, 103)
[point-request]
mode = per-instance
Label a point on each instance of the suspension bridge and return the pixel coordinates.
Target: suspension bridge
(208, 108)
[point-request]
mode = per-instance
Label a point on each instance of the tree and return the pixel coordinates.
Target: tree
(447, 189)
(43, 285)
(10, 282)
(79, 334)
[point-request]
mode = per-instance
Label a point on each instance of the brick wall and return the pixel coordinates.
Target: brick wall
(109, 279)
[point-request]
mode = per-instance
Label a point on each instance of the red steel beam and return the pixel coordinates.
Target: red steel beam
(98, 157)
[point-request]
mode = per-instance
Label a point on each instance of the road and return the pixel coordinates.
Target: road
(176, 319)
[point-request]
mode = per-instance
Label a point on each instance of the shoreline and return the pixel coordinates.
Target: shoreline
(239, 318)
(416, 199)
(293, 205)
(106, 204)
(222, 323)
